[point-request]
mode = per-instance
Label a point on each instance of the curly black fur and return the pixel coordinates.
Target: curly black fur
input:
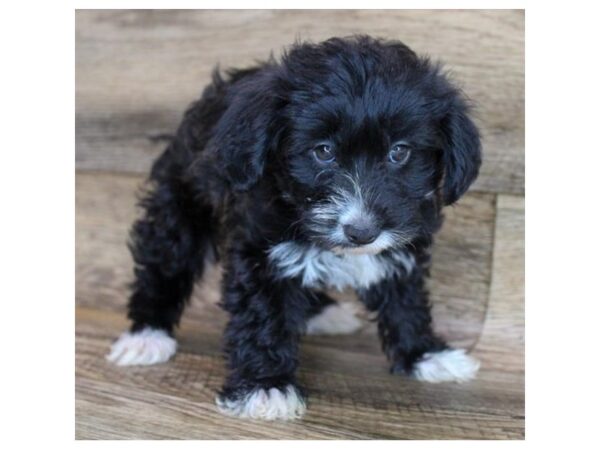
(240, 177)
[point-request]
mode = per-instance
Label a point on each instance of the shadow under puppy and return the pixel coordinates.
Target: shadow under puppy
(328, 169)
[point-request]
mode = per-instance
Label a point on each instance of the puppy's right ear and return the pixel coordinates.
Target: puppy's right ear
(462, 151)
(245, 132)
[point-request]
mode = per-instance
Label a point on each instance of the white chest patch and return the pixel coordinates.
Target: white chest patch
(322, 268)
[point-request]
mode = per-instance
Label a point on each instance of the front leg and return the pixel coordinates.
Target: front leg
(404, 323)
(261, 340)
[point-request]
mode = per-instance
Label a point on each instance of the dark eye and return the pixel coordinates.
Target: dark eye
(399, 153)
(324, 153)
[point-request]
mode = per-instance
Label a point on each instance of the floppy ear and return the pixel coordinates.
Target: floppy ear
(462, 151)
(244, 133)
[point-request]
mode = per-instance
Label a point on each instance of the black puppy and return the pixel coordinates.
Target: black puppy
(328, 169)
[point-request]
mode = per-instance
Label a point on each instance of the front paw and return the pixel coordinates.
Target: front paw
(446, 365)
(264, 403)
(144, 347)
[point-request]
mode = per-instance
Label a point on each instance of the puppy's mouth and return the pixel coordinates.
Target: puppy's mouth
(350, 234)
(355, 250)
(384, 241)
(346, 223)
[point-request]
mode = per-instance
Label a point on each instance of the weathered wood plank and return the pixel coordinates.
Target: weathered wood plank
(136, 71)
(351, 395)
(105, 209)
(502, 344)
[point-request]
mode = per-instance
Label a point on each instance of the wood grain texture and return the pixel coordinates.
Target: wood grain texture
(136, 71)
(502, 343)
(351, 394)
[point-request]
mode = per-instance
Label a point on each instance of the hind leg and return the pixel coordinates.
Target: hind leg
(328, 317)
(167, 249)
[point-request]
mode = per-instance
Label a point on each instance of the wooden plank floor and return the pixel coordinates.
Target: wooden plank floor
(352, 396)
(136, 71)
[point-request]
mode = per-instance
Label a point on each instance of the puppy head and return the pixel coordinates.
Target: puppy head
(365, 139)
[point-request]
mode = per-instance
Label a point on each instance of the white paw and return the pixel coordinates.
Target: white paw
(266, 405)
(142, 348)
(335, 319)
(447, 365)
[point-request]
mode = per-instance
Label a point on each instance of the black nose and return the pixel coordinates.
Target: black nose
(361, 234)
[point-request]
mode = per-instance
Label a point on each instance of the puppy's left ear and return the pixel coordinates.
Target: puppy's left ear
(245, 132)
(462, 151)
